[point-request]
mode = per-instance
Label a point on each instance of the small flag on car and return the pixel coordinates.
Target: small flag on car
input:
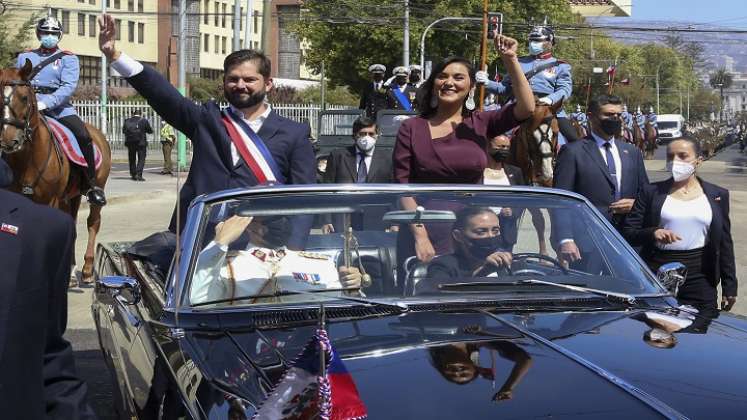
(317, 385)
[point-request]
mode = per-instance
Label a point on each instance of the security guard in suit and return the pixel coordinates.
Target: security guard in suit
(264, 265)
(54, 84)
(550, 80)
(374, 97)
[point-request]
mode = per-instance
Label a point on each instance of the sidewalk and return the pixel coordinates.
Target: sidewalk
(121, 189)
(153, 157)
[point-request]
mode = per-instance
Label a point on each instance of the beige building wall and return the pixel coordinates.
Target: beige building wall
(216, 31)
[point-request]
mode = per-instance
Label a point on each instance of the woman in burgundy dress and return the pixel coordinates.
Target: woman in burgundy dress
(446, 142)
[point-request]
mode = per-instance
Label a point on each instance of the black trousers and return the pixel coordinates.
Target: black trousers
(78, 127)
(697, 290)
(136, 157)
(564, 124)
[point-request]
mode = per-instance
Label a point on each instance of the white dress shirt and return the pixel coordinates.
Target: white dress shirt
(255, 125)
(126, 66)
(615, 155)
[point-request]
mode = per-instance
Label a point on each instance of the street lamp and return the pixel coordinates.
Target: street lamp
(425, 31)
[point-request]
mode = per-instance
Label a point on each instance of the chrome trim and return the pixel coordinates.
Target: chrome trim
(188, 238)
(637, 393)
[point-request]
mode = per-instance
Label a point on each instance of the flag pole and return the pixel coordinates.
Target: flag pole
(483, 50)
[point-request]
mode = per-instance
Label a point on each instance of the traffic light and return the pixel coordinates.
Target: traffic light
(495, 24)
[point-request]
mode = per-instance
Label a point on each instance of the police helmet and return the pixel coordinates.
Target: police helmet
(542, 33)
(49, 24)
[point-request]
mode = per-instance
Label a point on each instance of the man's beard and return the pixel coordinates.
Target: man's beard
(235, 98)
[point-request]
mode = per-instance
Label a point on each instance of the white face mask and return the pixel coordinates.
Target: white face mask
(680, 169)
(365, 144)
(657, 334)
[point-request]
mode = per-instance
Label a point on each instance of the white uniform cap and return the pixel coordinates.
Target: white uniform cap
(376, 68)
(400, 71)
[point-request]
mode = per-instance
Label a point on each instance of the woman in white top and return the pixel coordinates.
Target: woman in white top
(686, 219)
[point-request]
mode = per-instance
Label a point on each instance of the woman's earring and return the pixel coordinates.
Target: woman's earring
(470, 103)
(434, 101)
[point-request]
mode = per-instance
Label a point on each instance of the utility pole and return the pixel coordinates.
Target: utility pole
(688, 102)
(266, 22)
(104, 85)
(248, 27)
(182, 79)
(236, 25)
(406, 37)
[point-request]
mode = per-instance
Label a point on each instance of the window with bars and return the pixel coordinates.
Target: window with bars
(223, 45)
(233, 12)
(141, 33)
(92, 26)
(217, 14)
(118, 29)
(130, 5)
(81, 24)
(65, 22)
(140, 6)
(117, 4)
(223, 15)
(217, 44)
(131, 30)
(206, 43)
(206, 12)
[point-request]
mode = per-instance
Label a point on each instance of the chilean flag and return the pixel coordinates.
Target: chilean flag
(305, 392)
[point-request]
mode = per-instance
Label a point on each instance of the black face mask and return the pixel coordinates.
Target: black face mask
(480, 248)
(501, 155)
(610, 126)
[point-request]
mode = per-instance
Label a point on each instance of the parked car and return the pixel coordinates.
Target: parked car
(207, 334)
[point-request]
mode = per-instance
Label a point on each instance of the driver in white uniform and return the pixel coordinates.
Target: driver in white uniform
(265, 265)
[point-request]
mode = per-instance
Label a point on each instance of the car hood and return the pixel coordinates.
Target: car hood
(478, 365)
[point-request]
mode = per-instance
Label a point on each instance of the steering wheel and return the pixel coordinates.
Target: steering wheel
(525, 255)
(488, 269)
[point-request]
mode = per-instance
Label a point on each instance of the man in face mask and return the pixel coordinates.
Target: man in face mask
(477, 242)
(602, 168)
(360, 163)
(549, 78)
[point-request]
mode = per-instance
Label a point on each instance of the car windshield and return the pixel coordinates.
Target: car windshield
(303, 247)
(667, 125)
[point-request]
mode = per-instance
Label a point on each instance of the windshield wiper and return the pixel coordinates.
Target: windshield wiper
(288, 292)
(620, 297)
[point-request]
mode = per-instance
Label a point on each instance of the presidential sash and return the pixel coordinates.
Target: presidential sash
(402, 99)
(252, 149)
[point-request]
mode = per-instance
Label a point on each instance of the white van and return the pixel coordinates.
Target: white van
(670, 127)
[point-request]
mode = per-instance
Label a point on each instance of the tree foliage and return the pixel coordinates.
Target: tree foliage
(13, 39)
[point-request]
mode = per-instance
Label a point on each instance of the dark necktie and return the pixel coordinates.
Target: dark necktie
(362, 170)
(611, 167)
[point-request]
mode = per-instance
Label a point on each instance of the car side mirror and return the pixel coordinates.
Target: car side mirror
(672, 275)
(124, 287)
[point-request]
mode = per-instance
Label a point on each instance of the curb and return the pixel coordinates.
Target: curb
(123, 199)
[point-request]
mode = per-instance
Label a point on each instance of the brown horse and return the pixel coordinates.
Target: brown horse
(535, 145)
(40, 169)
(650, 140)
(639, 139)
(580, 129)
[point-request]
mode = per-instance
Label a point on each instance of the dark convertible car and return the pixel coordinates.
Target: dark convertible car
(209, 331)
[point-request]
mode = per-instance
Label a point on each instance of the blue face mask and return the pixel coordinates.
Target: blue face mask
(536, 48)
(49, 40)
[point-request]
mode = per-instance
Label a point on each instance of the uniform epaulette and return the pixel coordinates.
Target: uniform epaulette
(313, 255)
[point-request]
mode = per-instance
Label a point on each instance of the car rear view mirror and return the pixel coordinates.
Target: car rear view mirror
(672, 275)
(420, 214)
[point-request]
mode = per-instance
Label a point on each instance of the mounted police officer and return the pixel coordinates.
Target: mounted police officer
(55, 82)
(651, 118)
(374, 97)
(580, 116)
(627, 118)
(640, 119)
(549, 78)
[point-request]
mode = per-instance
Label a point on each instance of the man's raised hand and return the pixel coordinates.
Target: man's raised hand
(107, 35)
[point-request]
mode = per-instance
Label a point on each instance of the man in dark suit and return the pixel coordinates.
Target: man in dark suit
(37, 371)
(374, 97)
(359, 163)
(282, 153)
(607, 171)
(134, 129)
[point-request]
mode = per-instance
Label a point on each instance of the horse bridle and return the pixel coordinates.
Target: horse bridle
(545, 137)
(24, 126)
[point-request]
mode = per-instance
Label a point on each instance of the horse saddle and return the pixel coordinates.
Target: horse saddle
(69, 144)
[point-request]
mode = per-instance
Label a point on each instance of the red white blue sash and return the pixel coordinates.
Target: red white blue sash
(402, 99)
(252, 149)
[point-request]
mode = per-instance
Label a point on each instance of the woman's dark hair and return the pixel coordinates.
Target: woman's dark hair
(264, 66)
(695, 144)
(426, 110)
(443, 356)
(463, 215)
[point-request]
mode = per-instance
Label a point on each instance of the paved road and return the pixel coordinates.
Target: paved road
(138, 209)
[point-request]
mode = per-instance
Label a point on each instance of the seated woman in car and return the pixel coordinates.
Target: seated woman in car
(263, 264)
(477, 241)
